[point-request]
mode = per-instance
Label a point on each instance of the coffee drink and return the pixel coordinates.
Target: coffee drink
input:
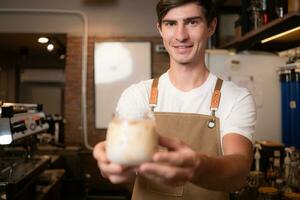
(131, 142)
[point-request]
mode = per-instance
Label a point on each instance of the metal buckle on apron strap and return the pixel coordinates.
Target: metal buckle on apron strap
(152, 106)
(212, 122)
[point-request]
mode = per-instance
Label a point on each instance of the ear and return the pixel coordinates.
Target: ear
(159, 28)
(212, 27)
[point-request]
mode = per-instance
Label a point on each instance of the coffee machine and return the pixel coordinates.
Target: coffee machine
(19, 166)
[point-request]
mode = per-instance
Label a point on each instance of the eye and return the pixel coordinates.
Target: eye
(193, 22)
(169, 23)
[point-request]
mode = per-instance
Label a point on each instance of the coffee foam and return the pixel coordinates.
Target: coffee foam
(131, 142)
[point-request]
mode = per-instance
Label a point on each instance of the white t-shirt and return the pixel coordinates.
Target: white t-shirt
(237, 111)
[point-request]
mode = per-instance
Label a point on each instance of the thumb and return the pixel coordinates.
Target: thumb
(170, 143)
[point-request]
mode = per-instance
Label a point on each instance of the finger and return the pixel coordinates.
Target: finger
(120, 178)
(165, 173)
(99, 152)
(117, 179)
(124, 177)
(114, 173)
(183, 159)
(110, 168)
(170, 143)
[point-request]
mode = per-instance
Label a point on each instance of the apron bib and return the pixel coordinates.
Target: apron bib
(201, 133)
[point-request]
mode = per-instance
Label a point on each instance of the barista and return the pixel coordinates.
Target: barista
(205, 123)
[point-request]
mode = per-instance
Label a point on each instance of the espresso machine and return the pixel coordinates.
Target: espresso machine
(19, 166)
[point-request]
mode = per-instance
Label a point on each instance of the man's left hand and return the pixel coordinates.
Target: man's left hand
(174, 167)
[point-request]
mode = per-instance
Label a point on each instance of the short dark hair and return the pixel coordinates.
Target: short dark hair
(164, 6)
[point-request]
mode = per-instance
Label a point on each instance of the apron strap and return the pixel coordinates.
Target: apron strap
(153, 94)
(215, 101)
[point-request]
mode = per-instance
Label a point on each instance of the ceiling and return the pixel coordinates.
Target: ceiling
(26, 44)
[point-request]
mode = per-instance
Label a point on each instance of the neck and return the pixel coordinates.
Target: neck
(186, 78)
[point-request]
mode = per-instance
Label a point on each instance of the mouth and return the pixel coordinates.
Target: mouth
(182, 46)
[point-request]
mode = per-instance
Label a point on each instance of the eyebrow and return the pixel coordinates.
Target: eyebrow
(186, 19)
(193, 18)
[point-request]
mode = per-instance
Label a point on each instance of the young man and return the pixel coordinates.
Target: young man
(204, 122)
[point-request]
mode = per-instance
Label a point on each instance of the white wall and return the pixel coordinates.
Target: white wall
(105, 17)
(263, 68)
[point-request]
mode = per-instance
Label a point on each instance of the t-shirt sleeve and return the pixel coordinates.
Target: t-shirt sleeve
(242, 117)
(131, 102)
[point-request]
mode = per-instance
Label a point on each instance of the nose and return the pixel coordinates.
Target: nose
(181, 33)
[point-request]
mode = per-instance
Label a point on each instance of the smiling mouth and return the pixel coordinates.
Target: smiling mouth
(182, 47)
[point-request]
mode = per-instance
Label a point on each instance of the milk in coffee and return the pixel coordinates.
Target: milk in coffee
(131, 142)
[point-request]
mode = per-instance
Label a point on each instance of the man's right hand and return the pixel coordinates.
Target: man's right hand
(114, 172)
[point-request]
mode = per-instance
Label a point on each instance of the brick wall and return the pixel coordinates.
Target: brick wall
(72, 99)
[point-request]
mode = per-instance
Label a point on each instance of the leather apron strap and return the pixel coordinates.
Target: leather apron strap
(154, 94)
(215, 101)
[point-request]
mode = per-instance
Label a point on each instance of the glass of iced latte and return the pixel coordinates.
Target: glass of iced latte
(131, 139)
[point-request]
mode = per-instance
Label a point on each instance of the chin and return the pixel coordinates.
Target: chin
(184, 61)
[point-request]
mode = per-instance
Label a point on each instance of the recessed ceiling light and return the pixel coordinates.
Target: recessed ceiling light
(43, 40)
(50, 47)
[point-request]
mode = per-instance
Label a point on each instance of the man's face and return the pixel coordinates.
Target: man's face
(185, 33)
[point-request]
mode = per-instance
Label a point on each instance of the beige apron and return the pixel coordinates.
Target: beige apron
(201, 133)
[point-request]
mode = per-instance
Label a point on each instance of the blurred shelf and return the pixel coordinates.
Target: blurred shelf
(252, 40)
